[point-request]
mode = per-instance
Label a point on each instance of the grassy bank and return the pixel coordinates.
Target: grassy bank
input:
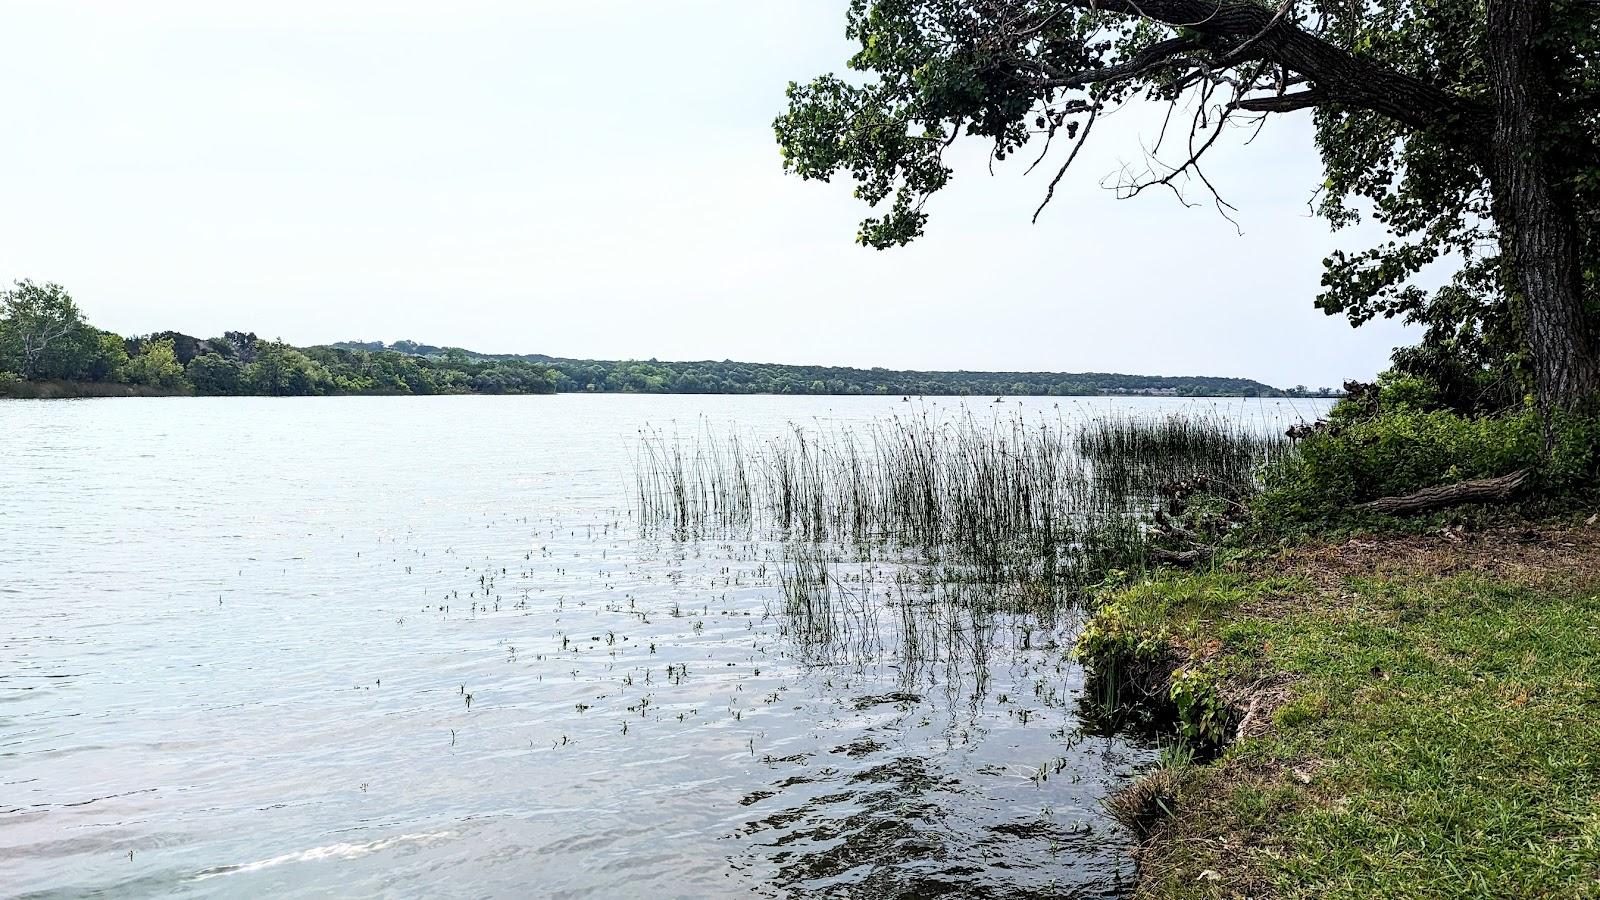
(1409, 716)
(16, 389)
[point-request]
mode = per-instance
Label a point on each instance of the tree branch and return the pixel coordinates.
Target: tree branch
(1283, 102)
(1141, 62)
(1340, 76)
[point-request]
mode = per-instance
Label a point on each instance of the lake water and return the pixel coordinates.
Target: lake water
(420, 646)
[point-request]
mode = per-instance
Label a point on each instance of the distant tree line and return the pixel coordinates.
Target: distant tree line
(47, 348)
(727, 377)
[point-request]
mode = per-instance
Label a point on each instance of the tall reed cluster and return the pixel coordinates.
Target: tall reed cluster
(1046, 495)
(1133, 458)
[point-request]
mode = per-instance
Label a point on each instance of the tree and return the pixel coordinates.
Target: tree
(156, 365)
(42, 333)
(215, 375)
(1470, 135)
(110, 360)
(282, 371)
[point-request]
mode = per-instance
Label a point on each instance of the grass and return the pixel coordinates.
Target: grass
(13, 388)
(1429, 722)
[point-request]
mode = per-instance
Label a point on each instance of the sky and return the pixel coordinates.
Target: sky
(600, 180)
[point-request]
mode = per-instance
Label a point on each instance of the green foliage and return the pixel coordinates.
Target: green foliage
(48, 350)
(156, 365)
(242, 363)
(282, 371)
(1572, 463)
(110, 362)
(360, 370)
(214, 374)
(1203, 716)
(1116, 635)
(1030, 78)
(1143, 620)
(727, 377)
(42, 333)
(1395, 439)
(1397, 453)
(1139, 649)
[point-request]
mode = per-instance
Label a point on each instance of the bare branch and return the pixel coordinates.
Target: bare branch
(1082, 136)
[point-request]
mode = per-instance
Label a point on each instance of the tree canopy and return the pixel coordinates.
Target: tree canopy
(44, 338)
(241, 363)
(42, 333)
(730, 377)
(1471, 133)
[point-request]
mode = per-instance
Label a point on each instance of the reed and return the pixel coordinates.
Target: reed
(1132, 457)
(1006, 499)
(831, 615)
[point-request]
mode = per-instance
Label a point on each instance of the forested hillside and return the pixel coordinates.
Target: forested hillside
(728, 377)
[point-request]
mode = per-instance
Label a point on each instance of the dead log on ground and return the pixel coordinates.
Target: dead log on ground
(1480, 490)
(1180, 557)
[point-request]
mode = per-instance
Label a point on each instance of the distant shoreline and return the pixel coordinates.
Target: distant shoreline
(54, 353)
(94, 390)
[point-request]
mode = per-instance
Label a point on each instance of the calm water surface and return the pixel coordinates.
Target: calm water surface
(419, 646)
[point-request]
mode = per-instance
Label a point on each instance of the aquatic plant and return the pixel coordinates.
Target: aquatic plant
(1052, 499)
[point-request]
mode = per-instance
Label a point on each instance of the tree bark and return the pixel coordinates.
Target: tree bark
(1483, 490)
(1339, 76)
(1538, 235)
(1507, 137)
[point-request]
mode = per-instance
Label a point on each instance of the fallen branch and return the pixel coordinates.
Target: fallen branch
(1180, 557)
(1481, 490)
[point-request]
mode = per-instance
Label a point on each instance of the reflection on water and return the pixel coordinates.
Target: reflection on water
(418, 646)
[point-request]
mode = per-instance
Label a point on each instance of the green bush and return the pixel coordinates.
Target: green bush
(156, 365)
(1203, 716)
(1369, 450)
(215, 375)
(1574, 462)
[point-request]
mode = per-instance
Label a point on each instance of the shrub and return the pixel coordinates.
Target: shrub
(1391, 448)
(215, 375)
(1203, 716)
(1113, 636)
(156, 366)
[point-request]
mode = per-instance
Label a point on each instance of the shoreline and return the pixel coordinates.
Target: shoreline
(1395, 715)
(74, 390)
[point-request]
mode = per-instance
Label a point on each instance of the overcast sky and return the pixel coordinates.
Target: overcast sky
(599, 179)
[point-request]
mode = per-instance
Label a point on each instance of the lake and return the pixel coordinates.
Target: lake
(422, 646)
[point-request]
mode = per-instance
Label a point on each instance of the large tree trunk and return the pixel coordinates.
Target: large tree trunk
(1538, 235)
